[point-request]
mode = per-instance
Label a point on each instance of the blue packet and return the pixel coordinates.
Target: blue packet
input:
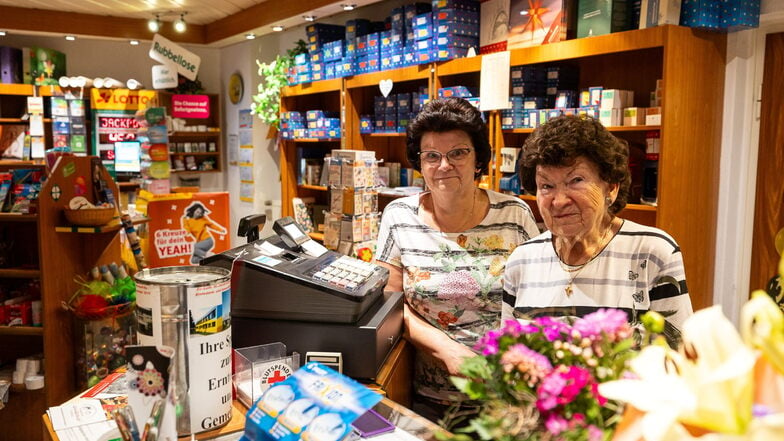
(315, 404)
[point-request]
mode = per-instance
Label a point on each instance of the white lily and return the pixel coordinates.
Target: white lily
(712, 390)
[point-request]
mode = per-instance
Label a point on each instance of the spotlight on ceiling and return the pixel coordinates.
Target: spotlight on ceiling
(250, 36)
(70, 37)
(179, 24)
(154, 24)
(309, 17)
(277, 28)
(134, 42)
(3, 33)
(348, 6)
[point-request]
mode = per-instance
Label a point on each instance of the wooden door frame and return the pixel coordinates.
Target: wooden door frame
(739, 157)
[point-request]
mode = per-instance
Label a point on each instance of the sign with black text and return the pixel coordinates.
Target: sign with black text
(170, 53)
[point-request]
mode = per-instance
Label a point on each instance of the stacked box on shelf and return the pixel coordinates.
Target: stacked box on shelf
(319, 33)
(456, 28)
(323, 125)
(512, 118)
(352, 221)
(302, 68)
(457, 92)
(424, 45)
(316, 65)
(292, 125)
(612, 105)
(559, 79)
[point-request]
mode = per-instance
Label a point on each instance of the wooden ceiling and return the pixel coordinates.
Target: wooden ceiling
(209, 22)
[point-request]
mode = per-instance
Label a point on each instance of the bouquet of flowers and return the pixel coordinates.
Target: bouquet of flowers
(539, 381)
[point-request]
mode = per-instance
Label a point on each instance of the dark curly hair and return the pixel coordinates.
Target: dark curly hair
(190, 211)
(444, 115)
(563, 139)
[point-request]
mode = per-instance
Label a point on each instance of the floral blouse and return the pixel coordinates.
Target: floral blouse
(453, 280)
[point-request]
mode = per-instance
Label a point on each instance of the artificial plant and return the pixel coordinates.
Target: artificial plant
(274, 75)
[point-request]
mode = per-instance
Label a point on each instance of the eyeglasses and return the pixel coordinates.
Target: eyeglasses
(454, 156)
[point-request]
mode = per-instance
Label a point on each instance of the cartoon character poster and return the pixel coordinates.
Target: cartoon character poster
(185, 230)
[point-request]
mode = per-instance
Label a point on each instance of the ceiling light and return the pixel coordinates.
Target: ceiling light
(3, 33)
(277, 28)
(348, 6)
(250, 36)
(154, 24)
(70, 37)
(309, 17)
(134, 42)
(179, 25)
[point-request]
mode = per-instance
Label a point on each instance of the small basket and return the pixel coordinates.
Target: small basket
(89, 217)
(98, 313)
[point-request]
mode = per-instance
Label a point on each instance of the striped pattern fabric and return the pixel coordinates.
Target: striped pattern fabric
(453, 280)
(640, 269)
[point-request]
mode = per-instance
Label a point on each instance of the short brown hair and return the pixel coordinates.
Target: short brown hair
(444, 115)
(563, 139)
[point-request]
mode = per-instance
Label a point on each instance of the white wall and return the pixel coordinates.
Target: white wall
(740, 142)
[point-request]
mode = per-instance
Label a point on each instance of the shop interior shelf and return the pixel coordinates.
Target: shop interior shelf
(110, 228)
(18, 217)
(322, 86)
(19, 120)
(610, 128)
(19, 273)
(387, 135)
(408, 73)
(195, 171)
(21, 330)
(194, 154)
(207, 134)
(313, 187)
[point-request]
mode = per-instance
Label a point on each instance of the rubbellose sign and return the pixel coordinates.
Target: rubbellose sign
(170, 53)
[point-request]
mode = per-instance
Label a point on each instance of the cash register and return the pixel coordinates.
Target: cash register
(288, 288)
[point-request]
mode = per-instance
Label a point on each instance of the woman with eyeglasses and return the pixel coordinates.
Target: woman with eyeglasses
(446, 248)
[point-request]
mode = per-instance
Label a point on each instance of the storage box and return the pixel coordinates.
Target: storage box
(600, 17)
(653, 116)
(634, 116)
(611, 117)
(256, 368)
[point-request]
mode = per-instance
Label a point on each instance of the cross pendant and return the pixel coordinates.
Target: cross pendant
(568, 290)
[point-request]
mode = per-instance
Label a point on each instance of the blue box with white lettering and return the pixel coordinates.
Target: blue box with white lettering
(422, 32)
(303, 78)
(301, 59)
(527, 88)
(458, 41)
(566, 74)
(390, 123)
(466, 5)
(423, 57)
(333, 50)
(404, 102)
(534, 102)
(350, 48)
(330, 69)
(445, 27)
(385, 62)
(361, 48)
(397, 60)
(316, 57)
(346, 67)
(397, 15)
(565, 98)
(365, 124)
(378, 125)
(379, 104)
(455, 91)
(385, 39)
(374, 63)
(457, 15)
(397, 38)
(425, 19)
(373, 42)
(426, 45)
(450, 53)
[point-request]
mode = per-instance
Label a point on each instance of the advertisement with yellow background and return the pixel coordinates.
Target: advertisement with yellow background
(185, 227)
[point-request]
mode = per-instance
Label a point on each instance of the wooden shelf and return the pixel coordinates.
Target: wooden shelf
(313, 187)
(18, 217)
(19, 273)
(109, 228)
(408, 73)
(194, 154)
(21, 330)
(322, 86)
(15, 163)
(314, 140)
(208, 134)
(385, 135)
(611, 128)
(196, 171)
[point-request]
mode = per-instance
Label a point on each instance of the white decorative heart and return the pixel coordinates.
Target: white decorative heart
(385, 86)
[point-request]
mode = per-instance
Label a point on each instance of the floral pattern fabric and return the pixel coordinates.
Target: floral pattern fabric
(453, 280)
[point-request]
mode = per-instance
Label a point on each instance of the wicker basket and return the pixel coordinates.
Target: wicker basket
(90, 217)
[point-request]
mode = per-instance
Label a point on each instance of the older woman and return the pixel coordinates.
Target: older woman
(446, 248)
(590, 258)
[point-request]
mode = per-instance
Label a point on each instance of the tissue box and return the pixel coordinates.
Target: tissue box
(634, 116)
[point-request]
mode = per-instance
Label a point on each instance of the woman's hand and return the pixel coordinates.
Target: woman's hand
(433, 341)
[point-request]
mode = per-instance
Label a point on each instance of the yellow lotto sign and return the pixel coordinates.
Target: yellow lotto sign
(121, 99)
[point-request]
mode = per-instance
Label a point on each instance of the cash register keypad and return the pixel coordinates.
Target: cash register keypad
(346, 272)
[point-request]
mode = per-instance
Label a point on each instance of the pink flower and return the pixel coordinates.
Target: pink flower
(594, 433)
(555, 424)
(513, 328)
(532, 364)
(607, 321)
(488, 343)
(551, 328)
(562, 386)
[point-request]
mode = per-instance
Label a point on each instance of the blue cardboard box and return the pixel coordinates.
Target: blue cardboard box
(458, 41)
(446, 27)
(466, 5)
(457, 15)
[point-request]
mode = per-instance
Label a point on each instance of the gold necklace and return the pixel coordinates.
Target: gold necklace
(575, 270)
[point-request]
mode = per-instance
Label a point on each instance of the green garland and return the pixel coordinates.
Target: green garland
(266, 103)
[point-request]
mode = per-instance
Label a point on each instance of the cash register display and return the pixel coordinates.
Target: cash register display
(290, 232)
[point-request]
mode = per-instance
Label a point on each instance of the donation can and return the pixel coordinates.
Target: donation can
(188, 308)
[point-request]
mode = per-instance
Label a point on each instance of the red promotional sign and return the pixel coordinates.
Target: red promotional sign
(184, 231)
(190, 106)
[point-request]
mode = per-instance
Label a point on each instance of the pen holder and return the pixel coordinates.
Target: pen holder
(258, 367)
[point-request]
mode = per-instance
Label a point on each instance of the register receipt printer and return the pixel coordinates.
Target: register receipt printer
(288, 288)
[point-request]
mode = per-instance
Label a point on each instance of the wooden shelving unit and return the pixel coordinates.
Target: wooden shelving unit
(21, 330)
(690, 62)
(212, 135)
